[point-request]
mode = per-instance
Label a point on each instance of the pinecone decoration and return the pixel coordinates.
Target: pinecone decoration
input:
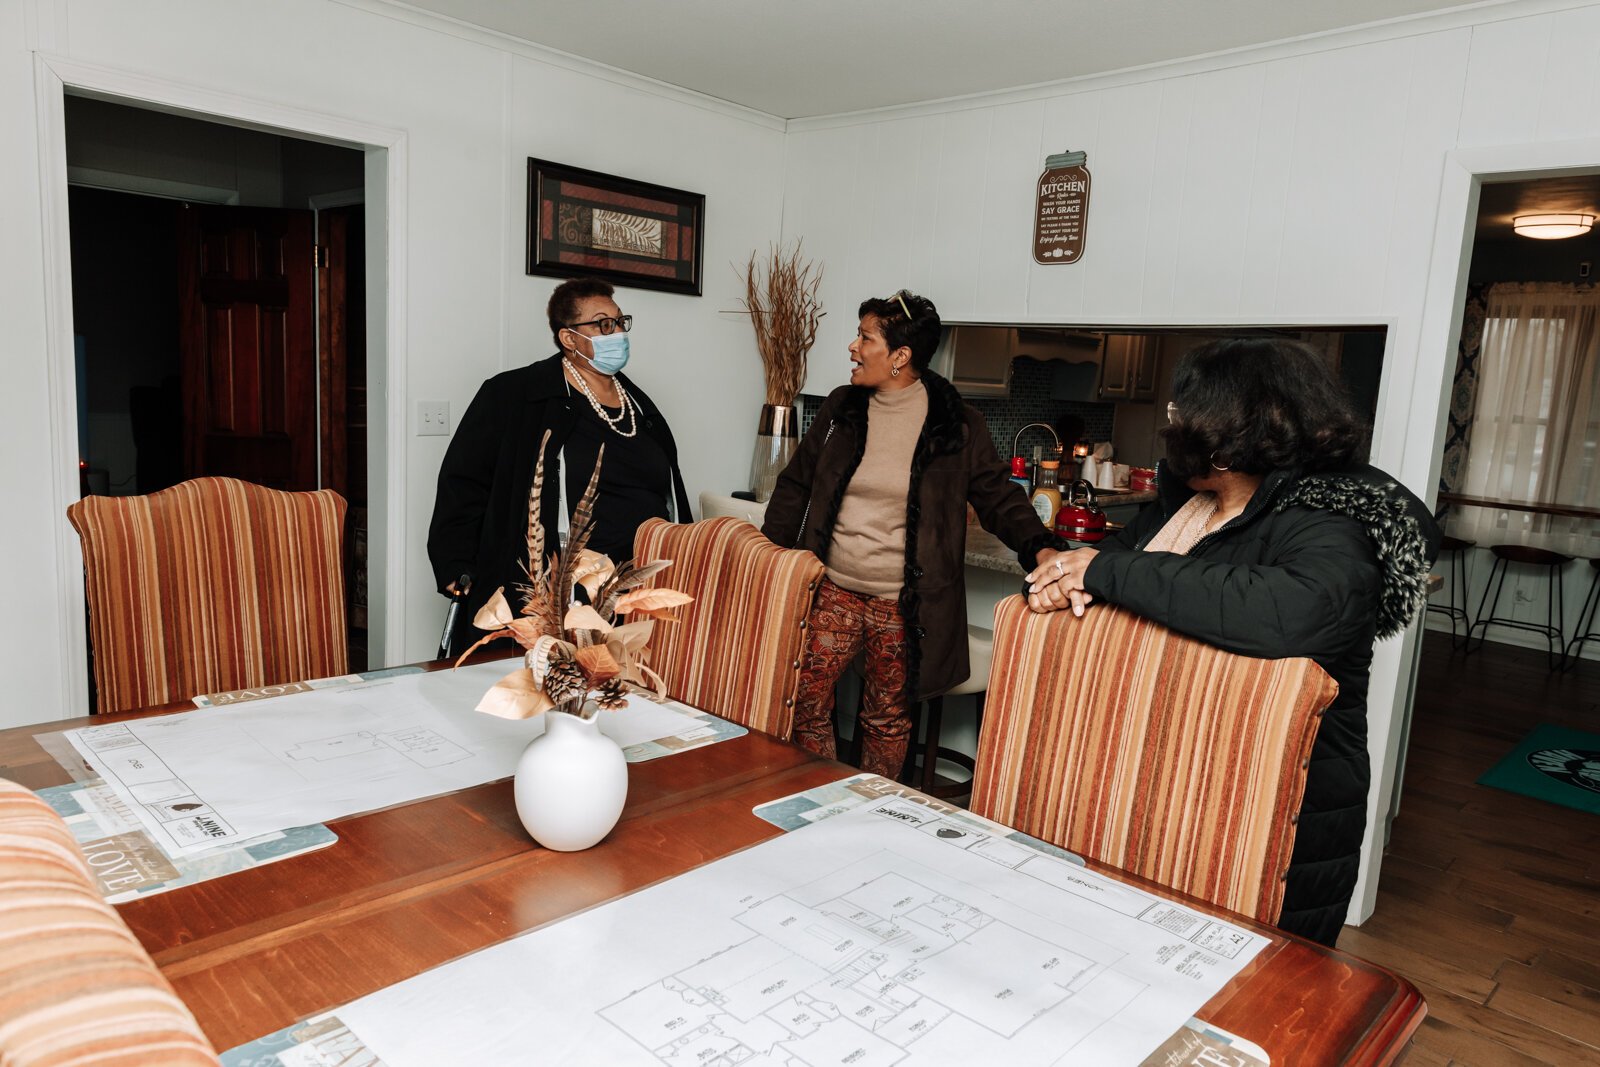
(612, 695)
(564, 681)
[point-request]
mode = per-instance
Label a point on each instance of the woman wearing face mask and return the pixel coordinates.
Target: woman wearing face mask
(581, 396)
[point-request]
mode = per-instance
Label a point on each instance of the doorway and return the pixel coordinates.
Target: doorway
(1522, 423)
(1472, 212)
(219, 314)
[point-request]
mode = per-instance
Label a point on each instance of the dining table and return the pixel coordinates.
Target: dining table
(414, 886)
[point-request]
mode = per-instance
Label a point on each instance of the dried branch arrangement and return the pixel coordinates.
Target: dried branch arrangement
(780, 296)
(575, 649)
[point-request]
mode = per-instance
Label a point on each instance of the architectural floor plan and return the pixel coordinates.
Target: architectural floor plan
(225, 774)
(886, 935)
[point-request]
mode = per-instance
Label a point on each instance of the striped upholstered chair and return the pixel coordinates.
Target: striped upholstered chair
(736, 650)
(76, 987)
(210, 586)
(1118, 739)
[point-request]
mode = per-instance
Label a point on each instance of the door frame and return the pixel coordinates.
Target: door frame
(1455, 224)
(385, 194)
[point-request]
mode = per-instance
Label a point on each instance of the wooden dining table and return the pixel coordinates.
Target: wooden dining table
(411, 887)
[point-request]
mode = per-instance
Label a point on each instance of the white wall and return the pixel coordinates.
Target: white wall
(471, 109)
(1294, 184)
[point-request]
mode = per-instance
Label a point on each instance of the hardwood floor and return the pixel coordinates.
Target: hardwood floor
(1490, 901)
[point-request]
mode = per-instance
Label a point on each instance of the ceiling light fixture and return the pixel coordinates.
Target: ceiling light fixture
(1552, 227)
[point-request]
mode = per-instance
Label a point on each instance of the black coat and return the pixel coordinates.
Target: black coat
(480, 513)
(954, 464)
(1318, 566)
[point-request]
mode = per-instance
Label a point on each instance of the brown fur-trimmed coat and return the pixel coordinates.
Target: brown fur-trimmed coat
(954, 464)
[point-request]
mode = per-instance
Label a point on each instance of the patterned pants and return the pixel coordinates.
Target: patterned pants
(840, 623)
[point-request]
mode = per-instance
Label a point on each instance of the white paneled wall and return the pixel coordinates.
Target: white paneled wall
(1296, 184)
(471, 108)
(1270, 190)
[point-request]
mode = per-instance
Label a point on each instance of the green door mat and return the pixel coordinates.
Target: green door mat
(1554, 764)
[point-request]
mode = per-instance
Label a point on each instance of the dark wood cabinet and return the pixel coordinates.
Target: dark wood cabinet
(1128, 367)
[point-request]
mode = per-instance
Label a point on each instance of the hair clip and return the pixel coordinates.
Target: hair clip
(901, 296)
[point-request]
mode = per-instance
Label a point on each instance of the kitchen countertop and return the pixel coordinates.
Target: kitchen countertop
(987, 551)
(1110, 498)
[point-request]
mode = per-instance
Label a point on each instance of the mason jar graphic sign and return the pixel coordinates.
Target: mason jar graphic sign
(1061, 216)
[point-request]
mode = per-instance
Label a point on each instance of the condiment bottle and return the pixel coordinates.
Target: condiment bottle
(1019, 473)
(1046, 498)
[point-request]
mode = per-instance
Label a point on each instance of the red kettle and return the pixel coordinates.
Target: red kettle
(1081, 520)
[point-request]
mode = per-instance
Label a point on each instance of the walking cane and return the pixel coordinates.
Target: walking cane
(463, 587)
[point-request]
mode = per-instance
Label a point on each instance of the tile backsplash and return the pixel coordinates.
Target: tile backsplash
(1029, 402)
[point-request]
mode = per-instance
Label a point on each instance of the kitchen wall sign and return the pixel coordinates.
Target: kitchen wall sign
(1061, 215)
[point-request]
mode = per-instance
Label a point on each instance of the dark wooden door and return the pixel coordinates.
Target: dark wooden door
(248, 339)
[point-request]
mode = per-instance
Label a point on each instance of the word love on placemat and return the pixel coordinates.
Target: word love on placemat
(126, 863)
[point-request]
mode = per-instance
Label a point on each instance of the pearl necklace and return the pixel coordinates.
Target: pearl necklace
(627, 411)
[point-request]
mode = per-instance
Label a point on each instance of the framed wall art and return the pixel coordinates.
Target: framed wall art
(628, 232)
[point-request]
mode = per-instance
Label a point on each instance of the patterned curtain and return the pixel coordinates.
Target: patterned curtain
(1464, 394)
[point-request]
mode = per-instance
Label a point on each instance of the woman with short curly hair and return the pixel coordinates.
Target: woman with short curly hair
(1272, 537)
(879, 491)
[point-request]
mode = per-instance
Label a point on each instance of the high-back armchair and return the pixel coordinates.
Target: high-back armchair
(736, 650)
(75, 984)
(1116, 738)
(210, 586)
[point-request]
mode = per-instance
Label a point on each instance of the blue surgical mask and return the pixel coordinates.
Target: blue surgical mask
(610, 352)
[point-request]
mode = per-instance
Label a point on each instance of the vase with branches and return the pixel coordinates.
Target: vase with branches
(582, 655)
(780, 296)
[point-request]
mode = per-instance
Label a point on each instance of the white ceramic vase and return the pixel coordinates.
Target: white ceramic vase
(571, 782)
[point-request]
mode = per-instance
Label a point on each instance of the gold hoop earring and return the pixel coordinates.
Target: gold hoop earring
(1219, 468)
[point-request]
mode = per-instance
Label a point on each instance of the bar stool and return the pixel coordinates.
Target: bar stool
(1585, 628)
(1457, 547)
(1504, 557)
(924, 773)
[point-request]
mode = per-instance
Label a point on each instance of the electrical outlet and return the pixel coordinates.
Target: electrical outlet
(433, 418)
(1583, 269)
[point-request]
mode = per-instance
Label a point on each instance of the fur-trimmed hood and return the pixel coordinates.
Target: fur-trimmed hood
(1404, 536)
(1403, 532)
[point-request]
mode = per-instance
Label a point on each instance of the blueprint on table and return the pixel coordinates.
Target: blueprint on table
(880, 936)
(206, 777)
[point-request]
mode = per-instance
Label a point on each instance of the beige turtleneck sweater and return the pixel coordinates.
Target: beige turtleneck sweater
(868, 553)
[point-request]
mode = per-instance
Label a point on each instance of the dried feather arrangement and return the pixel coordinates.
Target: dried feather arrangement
(780, 296)
(575, 649)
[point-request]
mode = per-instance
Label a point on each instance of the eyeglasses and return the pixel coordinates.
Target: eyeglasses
(1172, 412)
(606, 325)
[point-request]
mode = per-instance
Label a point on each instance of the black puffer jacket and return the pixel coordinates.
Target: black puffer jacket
(954, 464)
(1318, 566)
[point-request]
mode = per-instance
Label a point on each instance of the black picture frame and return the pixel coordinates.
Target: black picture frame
(630, 233)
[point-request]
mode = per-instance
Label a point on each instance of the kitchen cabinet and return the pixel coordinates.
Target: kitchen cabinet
(977, 359)
(1128, 368)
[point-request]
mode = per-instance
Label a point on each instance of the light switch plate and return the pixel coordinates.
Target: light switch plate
(433, 418)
